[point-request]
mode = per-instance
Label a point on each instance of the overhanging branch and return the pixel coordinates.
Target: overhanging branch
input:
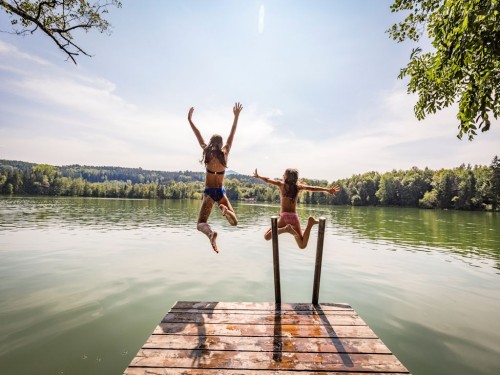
(58, 20)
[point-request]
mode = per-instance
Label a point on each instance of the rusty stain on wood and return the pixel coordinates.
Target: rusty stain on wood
(227, 338)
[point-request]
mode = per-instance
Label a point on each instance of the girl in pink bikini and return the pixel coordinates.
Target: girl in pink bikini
(215, 159)
(288, 221)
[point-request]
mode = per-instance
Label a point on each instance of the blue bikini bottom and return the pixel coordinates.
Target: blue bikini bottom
(215, 193)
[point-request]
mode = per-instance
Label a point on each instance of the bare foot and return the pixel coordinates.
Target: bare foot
(213, 236)
(311, 221)
(291, 230)
(228, 214)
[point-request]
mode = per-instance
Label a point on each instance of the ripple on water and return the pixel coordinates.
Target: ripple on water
(80, 270)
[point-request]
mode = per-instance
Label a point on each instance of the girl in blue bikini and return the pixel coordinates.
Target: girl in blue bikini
(288, 221)
(215, 159)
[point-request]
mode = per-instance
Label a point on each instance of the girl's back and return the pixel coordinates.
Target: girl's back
(288, 202)
(289, 189)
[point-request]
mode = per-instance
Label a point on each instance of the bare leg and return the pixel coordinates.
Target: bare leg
(269, 234)
(202, 226)
(288, 229)
(304, 239)
(230, 216)
(282, 228)
(227, 211)
(212, 236)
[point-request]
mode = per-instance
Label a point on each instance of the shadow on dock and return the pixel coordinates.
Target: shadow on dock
(344, 356)
(201, 349)
(277, 339)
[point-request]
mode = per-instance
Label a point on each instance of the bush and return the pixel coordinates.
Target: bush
(429, 200)
(356, 200)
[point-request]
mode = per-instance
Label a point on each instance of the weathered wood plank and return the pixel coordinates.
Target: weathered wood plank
(312, 330)
(257, 306)
(266, 360)
(269, 344)
(186, 371)
(226, 338)
(293, 318)
(265, 312)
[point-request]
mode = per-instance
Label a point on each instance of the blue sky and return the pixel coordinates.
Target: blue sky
(317, 79)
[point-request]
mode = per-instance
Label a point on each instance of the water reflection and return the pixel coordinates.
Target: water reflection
(104, 214)
(470, 235)
(83, 281)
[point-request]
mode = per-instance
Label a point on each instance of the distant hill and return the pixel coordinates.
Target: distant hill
(134, 175)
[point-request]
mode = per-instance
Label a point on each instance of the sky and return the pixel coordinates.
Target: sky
(317, 80)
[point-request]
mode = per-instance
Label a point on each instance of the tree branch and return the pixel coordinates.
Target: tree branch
(58, 19)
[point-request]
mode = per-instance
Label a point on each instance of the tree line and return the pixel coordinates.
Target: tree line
(464, 188)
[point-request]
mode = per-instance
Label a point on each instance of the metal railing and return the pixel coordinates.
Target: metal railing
(318, 263)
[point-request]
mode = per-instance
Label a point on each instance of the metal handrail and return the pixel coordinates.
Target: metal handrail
(276, 260)
(318, 264)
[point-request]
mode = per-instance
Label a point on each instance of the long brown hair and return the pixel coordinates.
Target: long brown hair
(214, 149)
(291, 179)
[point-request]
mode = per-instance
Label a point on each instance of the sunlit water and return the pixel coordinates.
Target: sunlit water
(83, 282)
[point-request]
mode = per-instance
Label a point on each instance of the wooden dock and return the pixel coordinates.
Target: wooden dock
(223, 338)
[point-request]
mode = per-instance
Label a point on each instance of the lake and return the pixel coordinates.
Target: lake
(84, 281)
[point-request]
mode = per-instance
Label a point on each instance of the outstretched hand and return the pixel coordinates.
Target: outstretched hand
(256, 174)
(334, 189)
(237, 108)
(191, 110)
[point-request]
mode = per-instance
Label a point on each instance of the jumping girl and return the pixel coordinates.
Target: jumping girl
(288, 221)
(214, 157)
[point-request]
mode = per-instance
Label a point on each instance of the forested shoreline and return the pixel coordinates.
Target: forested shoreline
(462, 188)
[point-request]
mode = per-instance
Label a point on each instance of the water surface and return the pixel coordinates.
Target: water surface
(84, 281)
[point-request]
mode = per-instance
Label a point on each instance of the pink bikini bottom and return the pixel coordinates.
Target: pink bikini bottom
(290, 217)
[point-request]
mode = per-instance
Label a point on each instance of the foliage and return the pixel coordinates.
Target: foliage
(465, 198)
(444, 185)
(429, 200)
(465, 62)
(495, 183)
(462, 188)
(59, 19)
(389, 192)
(135, 175)
(356, 200)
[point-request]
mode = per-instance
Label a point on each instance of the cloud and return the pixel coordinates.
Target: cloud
(75, 117)
(12, 52)
(79, 118)
(64, 116)
(381, 140)
(70, 92)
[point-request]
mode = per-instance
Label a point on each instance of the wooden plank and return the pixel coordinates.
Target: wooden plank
(313, 330)
(226, 338)
(264, 312)
(216, 359)
(186, 371)
(293, 318)
(263, 344)
(257, 306)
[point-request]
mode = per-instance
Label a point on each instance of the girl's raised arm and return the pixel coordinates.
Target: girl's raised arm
(195, 129)
(236, 110)
(331, 190)
(266, 179)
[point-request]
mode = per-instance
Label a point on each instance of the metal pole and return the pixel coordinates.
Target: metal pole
(319, 260)
(276, 260)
